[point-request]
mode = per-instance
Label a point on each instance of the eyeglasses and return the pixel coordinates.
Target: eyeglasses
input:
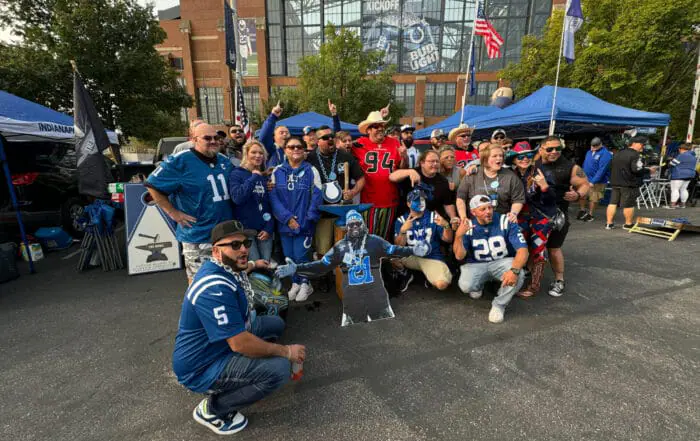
(326, 137)
(237, 244)
(525, 156)
(552, 149)
(295, 147)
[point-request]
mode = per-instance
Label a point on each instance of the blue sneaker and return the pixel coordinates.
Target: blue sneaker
(217, 425)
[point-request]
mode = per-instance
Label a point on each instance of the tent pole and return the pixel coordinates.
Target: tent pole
(15, 204)
(469, 64)
(552, 122)
(664, 141)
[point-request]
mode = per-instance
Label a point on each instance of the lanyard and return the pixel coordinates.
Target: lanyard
(331, 176)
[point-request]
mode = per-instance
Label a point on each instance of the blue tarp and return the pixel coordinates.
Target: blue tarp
(24, 120)
(296, 123)
(576, 111)
(449, 123)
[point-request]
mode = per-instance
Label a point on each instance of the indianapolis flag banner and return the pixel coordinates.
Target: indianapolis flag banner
(492, 38)
(230, 36)
(472, 73)
(573, 20)
(90, 140)
(241, 113)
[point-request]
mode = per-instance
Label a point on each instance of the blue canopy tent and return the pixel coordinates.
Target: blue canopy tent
(449, 123)
(576, 111)
(296, 123)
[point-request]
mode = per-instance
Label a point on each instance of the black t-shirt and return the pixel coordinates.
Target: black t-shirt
(441, 193)
(626, 168)
(324, 165)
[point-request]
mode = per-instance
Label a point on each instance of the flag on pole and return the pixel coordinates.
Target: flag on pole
(492, 38)
(90, 140)
(573, 20)
(241, 113)
(472, 74)
(230, 35)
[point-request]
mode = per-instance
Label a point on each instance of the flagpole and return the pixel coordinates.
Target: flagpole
(552, 122)
(694, 103)
(238, 61)
(469, 63)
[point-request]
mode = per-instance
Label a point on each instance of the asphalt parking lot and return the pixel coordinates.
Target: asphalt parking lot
(88, 357)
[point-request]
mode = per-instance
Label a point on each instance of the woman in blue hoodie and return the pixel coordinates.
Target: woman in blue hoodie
(251, 199)
(682, 172)
(296, 195)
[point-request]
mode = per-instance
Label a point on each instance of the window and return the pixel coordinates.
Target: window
(177, 63)
(484, 90)
(210, 104)
(406, 95)
(251, 97)
(439, 99)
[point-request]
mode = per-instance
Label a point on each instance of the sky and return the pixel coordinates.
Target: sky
(5, 34)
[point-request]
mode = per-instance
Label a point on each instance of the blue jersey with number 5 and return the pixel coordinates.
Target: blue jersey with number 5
(197, 188)
(500, 239)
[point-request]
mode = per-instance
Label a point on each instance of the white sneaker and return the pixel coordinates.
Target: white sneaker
(304, 292)
(496, 314)
(293, 291)
(475, 294)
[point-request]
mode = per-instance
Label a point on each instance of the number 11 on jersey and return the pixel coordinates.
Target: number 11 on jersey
(217, 195)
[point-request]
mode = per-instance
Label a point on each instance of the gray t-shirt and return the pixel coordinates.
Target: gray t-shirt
(506, 186)
(183, 146)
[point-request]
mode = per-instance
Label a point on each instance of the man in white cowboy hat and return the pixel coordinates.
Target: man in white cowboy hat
(464, 151)
(379, 155)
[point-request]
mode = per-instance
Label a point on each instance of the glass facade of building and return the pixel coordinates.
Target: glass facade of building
(419, 36)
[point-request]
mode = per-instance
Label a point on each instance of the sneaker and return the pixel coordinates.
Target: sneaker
(404, 279)
(293, 291)
(496, 314)
(627, 226)
(609, 226)
(556, 289)
(217, 425)
(682, 205)
(588, 218)
(475, 294)
(671, 207)
(304, 292)
(581, 214)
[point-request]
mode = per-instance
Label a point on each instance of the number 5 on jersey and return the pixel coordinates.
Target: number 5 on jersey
(215, 190)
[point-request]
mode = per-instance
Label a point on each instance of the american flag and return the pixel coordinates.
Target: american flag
(241, 113)
(492, 38)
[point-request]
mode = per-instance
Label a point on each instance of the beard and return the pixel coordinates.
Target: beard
(233, 263)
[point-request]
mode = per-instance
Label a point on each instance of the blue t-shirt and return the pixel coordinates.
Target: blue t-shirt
(423, 229)
(215, 308)
(197, 188)
(497, 240)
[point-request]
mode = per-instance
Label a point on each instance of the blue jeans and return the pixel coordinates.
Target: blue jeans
(474, 275)
(244, 380)
(260, 249)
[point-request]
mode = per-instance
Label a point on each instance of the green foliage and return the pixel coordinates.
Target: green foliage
(344, 73)
(635, 54)
(112, 42)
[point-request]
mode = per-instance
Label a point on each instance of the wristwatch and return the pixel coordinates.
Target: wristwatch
(515, 271)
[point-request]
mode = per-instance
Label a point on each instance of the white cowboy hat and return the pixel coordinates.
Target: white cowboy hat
(373, 118)
(462, 128)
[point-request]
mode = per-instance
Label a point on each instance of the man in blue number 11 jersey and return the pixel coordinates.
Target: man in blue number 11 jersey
(495, 249)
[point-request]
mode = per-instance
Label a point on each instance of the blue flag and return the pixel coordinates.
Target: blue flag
(573, 20)
(472, 74)
(230, 36)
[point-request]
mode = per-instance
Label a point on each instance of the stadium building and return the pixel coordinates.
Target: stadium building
(426, 39)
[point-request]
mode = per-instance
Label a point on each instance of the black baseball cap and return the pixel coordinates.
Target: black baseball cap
(228, 228)
(638, 140)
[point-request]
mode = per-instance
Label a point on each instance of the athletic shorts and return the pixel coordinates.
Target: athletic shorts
(625, 197)
(380, 221)
(595, 194)
(556, 238)
(195, 254)
(434, 270)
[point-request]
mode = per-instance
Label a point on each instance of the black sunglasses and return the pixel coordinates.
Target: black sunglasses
(295, 147)
(525, 156)
(373, 126)
(236, 131)
(236, 244)
(464, 135)
(326, 137)
(551, 149)
(209, 138)
(499, 137)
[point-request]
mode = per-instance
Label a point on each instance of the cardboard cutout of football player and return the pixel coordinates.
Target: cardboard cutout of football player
(358, 254)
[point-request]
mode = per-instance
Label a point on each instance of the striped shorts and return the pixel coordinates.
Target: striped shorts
(380, 221)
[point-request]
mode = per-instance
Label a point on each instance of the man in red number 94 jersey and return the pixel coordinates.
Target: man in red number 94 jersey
(378, 155)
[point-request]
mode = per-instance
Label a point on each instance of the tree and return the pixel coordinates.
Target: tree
(635, 54)
(112, 42)
(344, 73)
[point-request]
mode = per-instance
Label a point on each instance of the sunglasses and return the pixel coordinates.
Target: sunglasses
(326, 137)
(525, 156)
(378, 127)
(499, 137)
(236, 131)
(552, 149)
(209, 138)
(354, 225)
(463, 135)
(296, 147)
(237, 244)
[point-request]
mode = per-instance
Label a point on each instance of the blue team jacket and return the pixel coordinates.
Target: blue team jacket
(275, 155)
(248, 193)
(296, 192)
(683, 166)
(597, 166)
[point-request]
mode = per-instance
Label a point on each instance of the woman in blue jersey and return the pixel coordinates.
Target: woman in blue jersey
(534, 219)
(296, 195)
(251, 199)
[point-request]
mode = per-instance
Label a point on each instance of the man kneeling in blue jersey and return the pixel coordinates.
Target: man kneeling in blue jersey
(221, 348)
(495, 250)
